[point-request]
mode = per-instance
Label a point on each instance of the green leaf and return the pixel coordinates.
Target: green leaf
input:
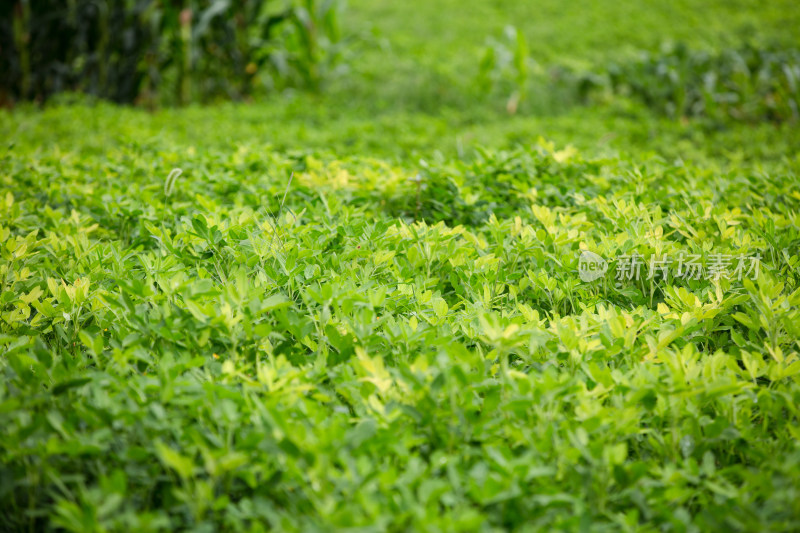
(183, 465)
(64, 386)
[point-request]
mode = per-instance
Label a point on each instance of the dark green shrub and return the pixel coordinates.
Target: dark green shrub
(169, 51)
(747, 83)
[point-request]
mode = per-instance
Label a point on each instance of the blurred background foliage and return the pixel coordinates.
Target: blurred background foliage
(744, 83)
(164, 51)
(750, 82)
(710, 60)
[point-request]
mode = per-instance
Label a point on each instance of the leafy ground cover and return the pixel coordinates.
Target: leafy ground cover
(369, 311)
(402, 345)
